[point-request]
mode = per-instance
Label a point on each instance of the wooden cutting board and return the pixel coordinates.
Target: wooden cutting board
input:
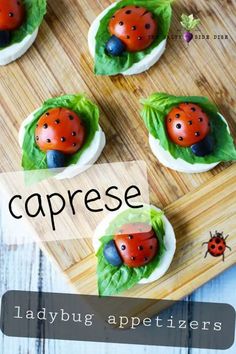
(59, 62)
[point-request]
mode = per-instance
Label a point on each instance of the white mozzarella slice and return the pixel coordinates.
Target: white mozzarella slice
(169, 241)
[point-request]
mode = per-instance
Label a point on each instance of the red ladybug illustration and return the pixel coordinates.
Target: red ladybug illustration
(59, 132)
(217, 245)
(189, 126)
(135, 245)
(12, 14)
(133, 28)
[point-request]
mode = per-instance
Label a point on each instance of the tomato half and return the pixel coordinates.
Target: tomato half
(60, 129)
(187, 124)
(137, 244)
(12, 13)
(135, 26)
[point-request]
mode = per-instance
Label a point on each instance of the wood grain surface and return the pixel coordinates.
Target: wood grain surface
(59, 62)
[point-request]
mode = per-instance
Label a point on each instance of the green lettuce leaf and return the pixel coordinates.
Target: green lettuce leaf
(35, 11)
(114, 280)
(108, 65)
(155, 110)
(33, 158)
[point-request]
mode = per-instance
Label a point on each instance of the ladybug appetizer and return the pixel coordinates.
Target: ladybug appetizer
(137, 252)
(187, 134)
(19, 22)
(129, 39)
(216, 246)
(67, 135)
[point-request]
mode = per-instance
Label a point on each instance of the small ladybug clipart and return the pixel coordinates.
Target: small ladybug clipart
(217, 245)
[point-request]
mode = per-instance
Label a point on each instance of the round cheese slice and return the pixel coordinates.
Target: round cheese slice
(87, 158)
(179, 164)
(169, 242)
(143, 65)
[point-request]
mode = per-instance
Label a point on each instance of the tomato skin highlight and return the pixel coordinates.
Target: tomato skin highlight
(135, 27)
(187, 124)
(60, 129)
(12, 14)
(137, 244)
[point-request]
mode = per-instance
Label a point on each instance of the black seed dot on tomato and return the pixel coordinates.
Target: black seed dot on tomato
(220, 248)
(63, 139)
(132, 258)
(128, 37)
(133, 28)
(180, 138)
(123, 247)
(145, 259)
(151, 247)
(213, 246)
(178, 126)
(140, 248)
(121, 23)
(48, 140)
(128, 12)
(197, 134)
(45, 126)
(11, 14)
(73, 133)
(37, 125)
(47, 114)
(177, 115)
(193, 109)
(200, 119)
(140, 38)
(57, 121)
(137, 7)
(190, 122)
(147, 26)
(113, 16)
(37, 138)
(71, 117)
(74, 144)
(130, 237)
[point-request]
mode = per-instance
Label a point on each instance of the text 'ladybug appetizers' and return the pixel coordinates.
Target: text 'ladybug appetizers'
(129, 36)
(64, 132)
(140, 249)
(187, 134)
(19, 23)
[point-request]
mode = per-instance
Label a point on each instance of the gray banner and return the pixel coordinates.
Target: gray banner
(117, 320)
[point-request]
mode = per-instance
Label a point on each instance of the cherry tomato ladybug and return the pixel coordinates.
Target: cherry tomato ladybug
(136, 244)
(187, 124)
(135, 26)
(217, 245)
(12, 13)
(60, 129)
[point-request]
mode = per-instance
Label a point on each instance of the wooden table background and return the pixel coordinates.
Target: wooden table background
(59, 63)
